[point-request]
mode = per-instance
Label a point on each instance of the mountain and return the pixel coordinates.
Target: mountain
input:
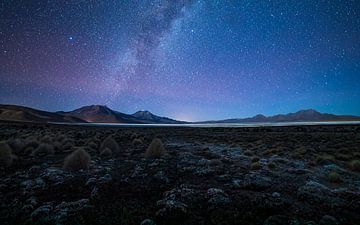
(151, 118)
(309, 115)
(103, 114)
(100, 114)
(26, 114)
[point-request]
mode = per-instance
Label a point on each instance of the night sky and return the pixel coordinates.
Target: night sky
(189, 60)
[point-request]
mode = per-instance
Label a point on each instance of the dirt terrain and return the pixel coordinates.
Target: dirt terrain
(270, 175)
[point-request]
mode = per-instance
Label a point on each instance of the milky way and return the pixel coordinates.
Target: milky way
(187, 59)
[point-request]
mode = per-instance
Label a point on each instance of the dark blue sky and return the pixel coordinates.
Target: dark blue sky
(190, 60)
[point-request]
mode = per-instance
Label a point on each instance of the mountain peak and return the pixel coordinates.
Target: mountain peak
(308, 112)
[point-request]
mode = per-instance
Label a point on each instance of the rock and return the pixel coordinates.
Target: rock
(105, 179)
(91, 182)
(94, 193)
(328, 220)
(281, 220)
(41, 212)
(275, 194)
(147, 222)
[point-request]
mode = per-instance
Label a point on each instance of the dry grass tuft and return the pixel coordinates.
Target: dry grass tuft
(111, 144)
(156, 149)
(137, 141)
(6, 158)
(43, 149)
(16, 145)
(77, 160)
(106, 153)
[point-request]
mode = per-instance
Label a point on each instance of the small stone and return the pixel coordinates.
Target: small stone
(94, 193)
(148, 222)
(105, 179)
(91, 182)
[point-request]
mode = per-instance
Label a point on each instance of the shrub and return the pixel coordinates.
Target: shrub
(43, 149)
(6, 158)
(248, 153)
(137, 141)
(134, 135)
(77, 160)
(46, 139)
(325, 159)
(106, 153)
(155, 150)
(355, 165)
(271, 165)
(255, 159)
(255, 166)
(110, 143)
(16, 145)
(343, 157)
(334, 177)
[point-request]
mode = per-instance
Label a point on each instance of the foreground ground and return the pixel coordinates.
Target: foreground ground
(279, 175)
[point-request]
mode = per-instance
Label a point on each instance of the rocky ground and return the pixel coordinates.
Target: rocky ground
(279, 175)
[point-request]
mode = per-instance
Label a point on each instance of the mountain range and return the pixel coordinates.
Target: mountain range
(103, 114)
(309, 115)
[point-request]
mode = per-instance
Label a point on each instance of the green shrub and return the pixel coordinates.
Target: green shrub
(77, 160)
(155, 150)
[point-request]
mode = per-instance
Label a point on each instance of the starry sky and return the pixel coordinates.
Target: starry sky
(185, 59)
